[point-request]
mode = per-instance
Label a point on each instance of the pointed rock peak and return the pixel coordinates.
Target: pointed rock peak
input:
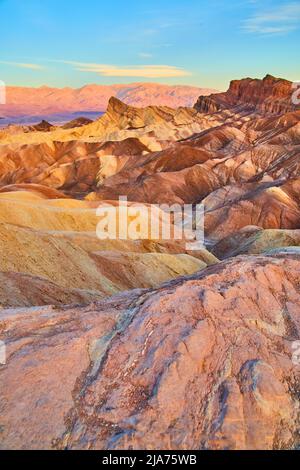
(270, 77)
(115, 105)
(43, 126)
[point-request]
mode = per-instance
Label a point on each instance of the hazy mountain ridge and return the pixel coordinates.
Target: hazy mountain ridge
(46, 100)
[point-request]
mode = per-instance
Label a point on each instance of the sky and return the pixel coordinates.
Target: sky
(70, 43)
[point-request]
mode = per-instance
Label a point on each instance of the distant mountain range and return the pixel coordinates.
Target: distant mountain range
(60, 103)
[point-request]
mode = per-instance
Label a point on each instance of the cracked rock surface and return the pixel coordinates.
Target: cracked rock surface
(203, 362)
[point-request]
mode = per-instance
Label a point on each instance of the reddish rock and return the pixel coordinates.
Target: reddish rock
(200, 362)
(62, 165)
(254, 240)
(266, 205)
(271, 95)
(203, 362)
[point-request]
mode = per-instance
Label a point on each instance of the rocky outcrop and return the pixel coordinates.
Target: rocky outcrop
(270, 95)
(146, 345)
(188, 171)
(42, 126)
(50, 245)
(201, 363)
(154, 124)
(26, 290)
(266, 205)
(78, 122)
(240, 165)
(254, 240)
(159, 122)
(71, 166)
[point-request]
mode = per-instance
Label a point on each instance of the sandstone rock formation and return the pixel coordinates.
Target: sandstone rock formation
(72, 166)
(50, 244)
(254, 240)
(266, 205)
(271, 94)
(200, 363)
(42, 126)
(78, 122)
(140, 343)
(154, 124)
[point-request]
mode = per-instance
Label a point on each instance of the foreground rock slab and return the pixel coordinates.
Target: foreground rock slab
(203, 362)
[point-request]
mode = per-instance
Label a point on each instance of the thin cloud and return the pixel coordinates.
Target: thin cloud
(144, 71)
(145, 55)
(280, 20)
(23, 65)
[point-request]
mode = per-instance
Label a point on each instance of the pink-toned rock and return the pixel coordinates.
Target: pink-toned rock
(203, 362)
(266, 205)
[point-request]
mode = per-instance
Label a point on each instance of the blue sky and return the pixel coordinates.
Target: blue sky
(202, 43)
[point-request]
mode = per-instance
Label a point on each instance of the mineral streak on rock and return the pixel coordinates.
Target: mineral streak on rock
(202, 362)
